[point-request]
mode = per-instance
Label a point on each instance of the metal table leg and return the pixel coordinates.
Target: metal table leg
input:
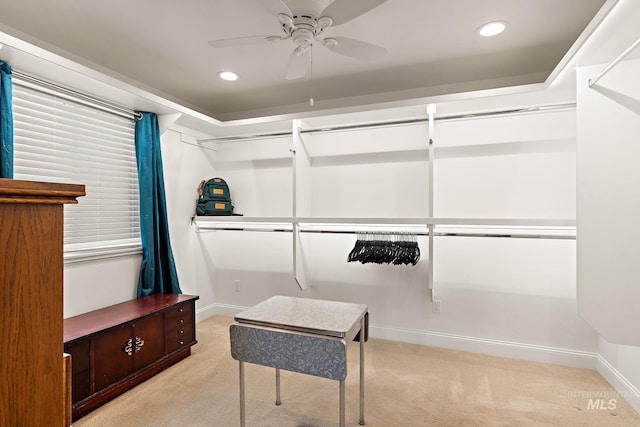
(361, 421)
(242, 421)
(341, 403)
(278, 402)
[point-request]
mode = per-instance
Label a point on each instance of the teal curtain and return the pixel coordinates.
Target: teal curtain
(158, 270)
(6, 122)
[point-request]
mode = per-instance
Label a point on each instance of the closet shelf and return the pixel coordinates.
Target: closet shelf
(526, 222)
(506, 222)
(243, 223)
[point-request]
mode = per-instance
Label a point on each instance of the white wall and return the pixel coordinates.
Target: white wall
(509, 297)
(259, 176)
(608, 208)
(90, 285)
(374, 173)
(609, 201)
(513, 166)
(185, 165)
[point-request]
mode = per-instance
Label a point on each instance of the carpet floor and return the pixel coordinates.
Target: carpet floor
(405, 385)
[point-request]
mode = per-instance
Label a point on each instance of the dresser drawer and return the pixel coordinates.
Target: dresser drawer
(179, 315)
(178, 339)
(179, 327)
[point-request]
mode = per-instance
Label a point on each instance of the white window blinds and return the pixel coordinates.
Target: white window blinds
(58, 140)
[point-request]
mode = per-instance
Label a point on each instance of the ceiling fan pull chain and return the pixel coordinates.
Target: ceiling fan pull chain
(311, 73)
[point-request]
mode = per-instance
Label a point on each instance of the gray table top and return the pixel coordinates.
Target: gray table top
(320, 317)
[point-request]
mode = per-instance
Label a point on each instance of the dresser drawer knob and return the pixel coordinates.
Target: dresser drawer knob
(180, 310)
(181, 321)
(181, 342)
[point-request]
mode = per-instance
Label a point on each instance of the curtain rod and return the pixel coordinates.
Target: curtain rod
(36, 83)
(392, 123)
(614, 63)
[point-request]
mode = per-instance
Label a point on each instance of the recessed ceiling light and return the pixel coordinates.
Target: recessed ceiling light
(228, 75)
(492, 28)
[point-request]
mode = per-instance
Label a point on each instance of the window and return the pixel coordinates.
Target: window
(59, 140)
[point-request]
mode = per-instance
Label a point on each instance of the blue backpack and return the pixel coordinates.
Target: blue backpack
(214, 198)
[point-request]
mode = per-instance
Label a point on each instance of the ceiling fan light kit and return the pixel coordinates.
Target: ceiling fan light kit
(304, 22)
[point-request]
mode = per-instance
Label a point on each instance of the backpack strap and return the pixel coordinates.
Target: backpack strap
(200, 193)
(200, 190)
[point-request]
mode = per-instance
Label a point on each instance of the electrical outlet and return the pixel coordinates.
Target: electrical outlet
(237, 283)
(436, 306)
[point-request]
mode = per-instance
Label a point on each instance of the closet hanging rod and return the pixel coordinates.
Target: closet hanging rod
(450, 234)
(442, 118)
(245, 137)
(407, 233)
(549, 107)
(506, 235)
(270, 230)
(614, 62)
(372, 233)
(50, 88)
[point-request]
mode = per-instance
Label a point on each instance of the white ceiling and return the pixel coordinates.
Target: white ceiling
(432, 48)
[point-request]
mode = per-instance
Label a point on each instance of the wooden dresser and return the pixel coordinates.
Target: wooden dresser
(117, 347)
(31, 274)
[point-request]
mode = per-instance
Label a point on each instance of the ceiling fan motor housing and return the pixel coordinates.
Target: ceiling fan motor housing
(312, 8)
(305, 24)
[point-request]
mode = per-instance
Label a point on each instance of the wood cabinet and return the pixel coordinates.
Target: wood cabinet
(117, 347)
(125, 349)
(31, 274)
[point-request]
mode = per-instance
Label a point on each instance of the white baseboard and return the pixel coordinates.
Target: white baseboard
(226, 310)
(623, 387)
(512, 350)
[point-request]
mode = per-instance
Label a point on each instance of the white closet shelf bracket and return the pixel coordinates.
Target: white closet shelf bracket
(614, 63)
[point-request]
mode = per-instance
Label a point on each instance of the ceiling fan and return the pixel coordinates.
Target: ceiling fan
(304, 21)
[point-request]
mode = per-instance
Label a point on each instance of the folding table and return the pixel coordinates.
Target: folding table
(300, 335)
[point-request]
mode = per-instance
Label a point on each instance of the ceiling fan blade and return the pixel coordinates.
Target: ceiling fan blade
(342, 11)
(241, 41)
(297, 65)
(274, 7)
(356, 48)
